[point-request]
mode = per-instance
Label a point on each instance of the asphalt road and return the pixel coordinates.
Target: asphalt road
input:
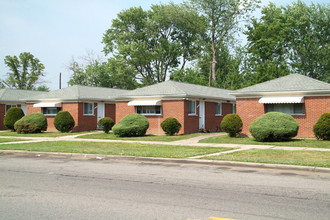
(44, 188)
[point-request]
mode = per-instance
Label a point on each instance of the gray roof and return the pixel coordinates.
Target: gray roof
(289, 83)
(173, 89)
(77, 92)
(17, 95)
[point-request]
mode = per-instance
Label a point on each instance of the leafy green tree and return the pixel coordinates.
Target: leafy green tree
(25, 71)
(154, 42)
(294, 38)
(223, 17)
(42, 88)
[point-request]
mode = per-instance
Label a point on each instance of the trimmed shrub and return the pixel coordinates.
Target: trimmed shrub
(322, 127)
(64, 121)
(232, 124)
(170, 126)
(274, 126)
(131, 125)
(106, 123)
(12, 115)
(31, 123)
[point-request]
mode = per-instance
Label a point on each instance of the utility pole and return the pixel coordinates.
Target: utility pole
(60, 81)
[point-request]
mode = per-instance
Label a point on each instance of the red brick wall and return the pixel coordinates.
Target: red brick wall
(2, 116)
(249, 109)
(86, 122)
(110, 111)
(191, 122)
(212, 121)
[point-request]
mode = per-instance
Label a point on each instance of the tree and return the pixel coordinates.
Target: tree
(154, 42)
(98, 73)
(294, 38)
(25, 71)
(42, 88)
(223, 17)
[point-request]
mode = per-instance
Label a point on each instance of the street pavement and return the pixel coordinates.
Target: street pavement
(50, 188)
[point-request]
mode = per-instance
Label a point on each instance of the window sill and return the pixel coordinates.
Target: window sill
(192, 114)
(89, 115)
(150, 114)
(219, 115)
(50, 114)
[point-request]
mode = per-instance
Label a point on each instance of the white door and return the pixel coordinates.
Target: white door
(23, 107)
(201, 115)
(100, 111)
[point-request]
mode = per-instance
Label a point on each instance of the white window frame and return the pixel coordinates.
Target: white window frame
(192, 113)
(11, 105)
(233, 108)
(88, 114)
(148, 106)
(57, 109)
(217, 105)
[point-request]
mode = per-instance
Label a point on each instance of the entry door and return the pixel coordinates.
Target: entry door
(23, 107)
(100, 111)
(201, 115)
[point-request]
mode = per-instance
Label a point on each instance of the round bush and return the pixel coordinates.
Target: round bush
(322, 127)
(274, 126)
(106, 123)
(12, 115)
(170, 126)
(131, 125)
(31, 123)
(232, 124)
(64, 121)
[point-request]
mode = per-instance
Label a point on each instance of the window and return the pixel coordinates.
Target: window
(9, 106)
(50, 110)
(291, 109)
(148, 110)
(233, 108)
(88, 108)
(218, 108)
(192, 108)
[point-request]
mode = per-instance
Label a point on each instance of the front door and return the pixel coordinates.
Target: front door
(201, 115)
(100, 112)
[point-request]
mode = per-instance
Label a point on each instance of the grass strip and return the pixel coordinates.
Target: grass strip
(43, 134)
(163, 138)
(301, 158)
(5, 140)
(127, 149)
(312, 143)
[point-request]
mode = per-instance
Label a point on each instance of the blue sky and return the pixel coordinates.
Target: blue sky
(54, 31)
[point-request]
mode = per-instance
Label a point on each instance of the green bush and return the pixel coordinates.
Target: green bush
(170, 126)
(106, 123)
(31, 123)
(12, 115)
(274, 126)
(64, 121)
(232, 124)
(131, 125)
(322, 127)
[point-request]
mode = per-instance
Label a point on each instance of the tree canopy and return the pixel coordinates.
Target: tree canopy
(25, 71)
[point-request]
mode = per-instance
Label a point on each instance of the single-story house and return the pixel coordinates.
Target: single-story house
(304, 98)
(86, 104)
(14, 98)
(195, 107)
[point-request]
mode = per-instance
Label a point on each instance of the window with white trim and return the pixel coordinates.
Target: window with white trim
(149, 110)
(50, 111)
(192, 108)
(291, 109)
(233, 108)
(88, 108)
(218, 108)
(9, 106)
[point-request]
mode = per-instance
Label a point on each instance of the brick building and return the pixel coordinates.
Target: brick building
(86, 104)
(195, 107)
(304, 98)
(14, 98)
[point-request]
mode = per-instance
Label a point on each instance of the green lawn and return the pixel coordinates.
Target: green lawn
(313, 143)
(44, 134)
(163, 138)
(4, 140)
(301, 158)
(127, 149)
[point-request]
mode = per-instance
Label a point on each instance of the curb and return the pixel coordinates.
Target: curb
(77, 156)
